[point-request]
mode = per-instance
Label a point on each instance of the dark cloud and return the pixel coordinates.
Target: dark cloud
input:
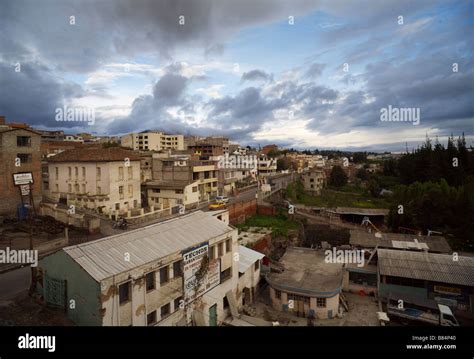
(315, 70)
(33, 94)
(254, 75)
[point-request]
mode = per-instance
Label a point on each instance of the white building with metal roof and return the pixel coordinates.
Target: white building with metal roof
(176, 272)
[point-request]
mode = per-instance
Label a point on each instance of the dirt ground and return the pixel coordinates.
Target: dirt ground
(362, 312)
(25, 311)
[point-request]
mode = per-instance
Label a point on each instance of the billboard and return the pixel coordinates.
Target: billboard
(199, 273)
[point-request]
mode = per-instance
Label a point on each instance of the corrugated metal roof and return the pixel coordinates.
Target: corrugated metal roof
(362, 211)
(393, 240)
(106, 256)
(247, 257)
(426, 266)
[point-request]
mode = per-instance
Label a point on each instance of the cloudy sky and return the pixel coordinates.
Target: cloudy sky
(305, 74)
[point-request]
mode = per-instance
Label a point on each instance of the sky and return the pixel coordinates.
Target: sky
(299, 73)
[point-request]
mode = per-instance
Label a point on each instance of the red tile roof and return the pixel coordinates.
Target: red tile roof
(95, 154)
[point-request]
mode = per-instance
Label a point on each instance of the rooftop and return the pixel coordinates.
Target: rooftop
(168, 184)
(426, 266)
(361, 211)
(307, 272)
(95, 154)
(104, 257)
(399, 241)
(247, 257)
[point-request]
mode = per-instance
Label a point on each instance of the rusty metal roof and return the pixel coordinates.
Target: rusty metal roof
(105, 257)
(426, 266)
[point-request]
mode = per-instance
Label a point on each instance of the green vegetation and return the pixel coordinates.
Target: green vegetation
(338, 177)
(437, 207)
(280, 224)
(331, 198)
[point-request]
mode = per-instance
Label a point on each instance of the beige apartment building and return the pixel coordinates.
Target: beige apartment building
(181, 179)
(106, 180)
(314, 181)
(152, 141)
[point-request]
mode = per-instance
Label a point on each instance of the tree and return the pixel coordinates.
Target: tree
(283, 164)
(359, 157)
(338, 177)
(362, 174)
(374, 187)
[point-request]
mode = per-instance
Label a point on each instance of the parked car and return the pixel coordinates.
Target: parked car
(217, 205)
(222, 199)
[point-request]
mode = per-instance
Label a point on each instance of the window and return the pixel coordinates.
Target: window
(225, 303)
(69, 172)
(130, 172)
(98, 173)
(83, 188)
(23, 141)
(277, 294)
(130, 190)
(121, 192)
(156, 190)
(220, 249)
(57, 187)
(150, 281)
(212, 253)
(25, 157)
(178, 191)
(76, 171)
(257, 265)
(225, 275)
(120, 173)
(228, 245)
(177, 269)
(165, 310)
(99, 190)
(177, 303)
(83, 172)
(69, 188)
(195, 189)
(151, 318)
(56, 170)
(117, 206)
(311, 179)
(164, 275)
(124, 293)
(321, 302)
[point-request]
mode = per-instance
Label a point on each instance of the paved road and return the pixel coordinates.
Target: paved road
(14, 282)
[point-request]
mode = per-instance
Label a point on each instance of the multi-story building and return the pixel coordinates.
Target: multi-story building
(19, 152)
(267, 166)
(152, 141)
(51, 135)
(184, 271)
(181, 179)
(314, 181)
(106, 180)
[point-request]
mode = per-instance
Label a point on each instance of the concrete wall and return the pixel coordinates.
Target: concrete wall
(81, 287)
(240, 211)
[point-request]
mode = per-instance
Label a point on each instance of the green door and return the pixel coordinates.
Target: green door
(213, 316)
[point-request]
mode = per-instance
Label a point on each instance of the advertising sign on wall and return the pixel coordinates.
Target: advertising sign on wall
(199, 274)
